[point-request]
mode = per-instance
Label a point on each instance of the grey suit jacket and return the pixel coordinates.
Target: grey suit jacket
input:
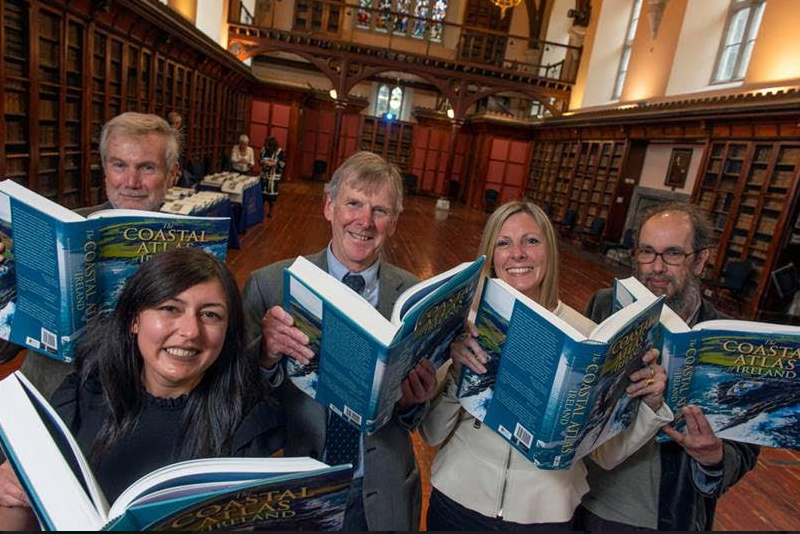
(391, 485)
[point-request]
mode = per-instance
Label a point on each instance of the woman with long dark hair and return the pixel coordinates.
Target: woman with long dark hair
(164, 378)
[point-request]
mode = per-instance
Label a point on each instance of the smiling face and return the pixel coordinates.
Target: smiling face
(520, 255)
(136, 173)
(361, 222)
(180, 338)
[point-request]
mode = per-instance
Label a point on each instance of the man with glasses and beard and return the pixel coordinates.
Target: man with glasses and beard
(673, 485)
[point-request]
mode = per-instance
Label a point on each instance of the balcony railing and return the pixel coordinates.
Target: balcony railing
(406, 32)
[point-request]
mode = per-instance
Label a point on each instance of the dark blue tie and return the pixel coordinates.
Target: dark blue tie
(341, 438)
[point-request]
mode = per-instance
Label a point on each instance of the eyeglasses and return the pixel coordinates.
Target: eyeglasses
(671, 256)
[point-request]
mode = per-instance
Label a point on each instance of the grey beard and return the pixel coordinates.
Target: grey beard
(685, 302)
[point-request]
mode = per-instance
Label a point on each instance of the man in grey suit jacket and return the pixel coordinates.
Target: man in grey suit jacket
(363, 201)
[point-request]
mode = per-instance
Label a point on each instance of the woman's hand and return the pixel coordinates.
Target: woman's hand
(649, 382)
(465, 350)
(11, 494)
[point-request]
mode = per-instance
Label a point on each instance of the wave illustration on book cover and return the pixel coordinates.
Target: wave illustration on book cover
(124, 248)
(290, 505)
(8, 286)
(750, 397)
(477, 390)
(306, 377)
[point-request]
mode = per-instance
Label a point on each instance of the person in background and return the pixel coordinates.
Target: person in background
(242, 155)
(480, 482)
(162, 379)
(185, 176)
(362, 202)
(673, 485)
(273, 161)
(139, 153)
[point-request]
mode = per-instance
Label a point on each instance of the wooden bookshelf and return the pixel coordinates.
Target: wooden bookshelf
(66, 71)
(390, 139)
(578, 175)
(747, 189)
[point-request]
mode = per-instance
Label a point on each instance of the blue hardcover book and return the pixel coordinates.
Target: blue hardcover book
(61, 270)
(207, 494)
(361, 357)
(741, 374)
(552, 392)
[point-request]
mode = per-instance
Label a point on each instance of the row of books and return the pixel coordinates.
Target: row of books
(193, 203)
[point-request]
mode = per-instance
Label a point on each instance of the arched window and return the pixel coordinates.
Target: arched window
(419, 19)
(389, 100)
(625, 58)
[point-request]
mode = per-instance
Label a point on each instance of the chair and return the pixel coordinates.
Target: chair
(410, 181)
(490, 198)
(730, 285)
(565, 225)
(786, 280)
(594, 232)
(623, 247)
(319, 168)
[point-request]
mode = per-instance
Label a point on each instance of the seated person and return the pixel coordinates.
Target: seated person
(242, 156)
(162, 379)
(479, 481)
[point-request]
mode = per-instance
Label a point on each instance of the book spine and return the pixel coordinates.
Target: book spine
(569, 406)
(679, 354)
(78, 273)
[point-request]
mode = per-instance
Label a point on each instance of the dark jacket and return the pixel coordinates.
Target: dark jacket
(681, 505)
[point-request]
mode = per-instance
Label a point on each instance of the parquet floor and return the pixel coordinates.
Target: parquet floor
(767, 499)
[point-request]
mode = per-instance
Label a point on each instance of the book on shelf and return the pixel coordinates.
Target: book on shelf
(206, 494)
(60, 269)
(361, 358)
(550, 391)
(741, 374)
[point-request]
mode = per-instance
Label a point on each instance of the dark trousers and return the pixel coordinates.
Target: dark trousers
(446, 514)
(354, 517)
(586, 520)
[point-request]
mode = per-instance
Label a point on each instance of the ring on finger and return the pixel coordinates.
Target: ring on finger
(650, 381)
(652, 371)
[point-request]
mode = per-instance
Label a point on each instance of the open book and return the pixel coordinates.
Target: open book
(741, 374)
(361, 357)
(552, 392)
(206, 494)
(61, 270)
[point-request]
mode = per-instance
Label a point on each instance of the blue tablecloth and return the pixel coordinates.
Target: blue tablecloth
(252, 206)
(224, 209)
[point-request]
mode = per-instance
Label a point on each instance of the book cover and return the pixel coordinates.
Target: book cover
(741, 374)
(551, 392)
(204, 494)
(361, 357)
(61, 270)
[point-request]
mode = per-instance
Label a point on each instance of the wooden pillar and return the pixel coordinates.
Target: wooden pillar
(455, 126)
(337, 126)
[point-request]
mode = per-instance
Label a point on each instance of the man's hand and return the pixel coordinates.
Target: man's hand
(465, 350)
(418, 387)
(280, 336)
(649, 381)
(11, 494)
(699, 440)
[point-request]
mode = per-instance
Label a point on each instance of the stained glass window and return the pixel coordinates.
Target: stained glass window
(420, 19)
(382, 102)
(389, 101)
(363, 15)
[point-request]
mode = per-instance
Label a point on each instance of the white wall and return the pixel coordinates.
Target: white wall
(656, 162)
(209, 19)
(558, 31)
(699, 41)
(606, 52)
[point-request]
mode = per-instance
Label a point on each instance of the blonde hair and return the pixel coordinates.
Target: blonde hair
(132, 124)
(370, 172)
(548, 293)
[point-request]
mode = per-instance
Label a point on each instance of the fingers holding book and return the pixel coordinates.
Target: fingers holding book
(11, 494)
(280, 337)
(649, 382)
(465, 350)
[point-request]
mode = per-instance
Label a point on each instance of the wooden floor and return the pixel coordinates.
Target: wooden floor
(767, 499)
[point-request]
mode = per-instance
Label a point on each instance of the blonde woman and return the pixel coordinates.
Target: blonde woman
(480, 481)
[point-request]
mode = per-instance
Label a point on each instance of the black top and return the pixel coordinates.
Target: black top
(152, 443)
